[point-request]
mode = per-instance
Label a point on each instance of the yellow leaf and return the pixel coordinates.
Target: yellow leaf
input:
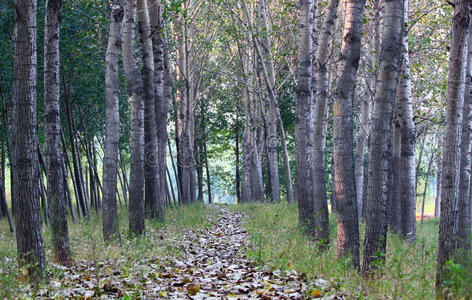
(193, 289)
(316, 293)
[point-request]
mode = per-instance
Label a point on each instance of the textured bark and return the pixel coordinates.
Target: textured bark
(150, 129)
(320, 123)
(136, 99)
(344, 181)
(372, 59)
(54, 163)
(463, 227)
(185, 122)
(265, 55)
(394, 197)
(408, 142)
(452, 139)
(303, 126)
(381, 136)
(25, 169)
(112, 137)
(161, 101)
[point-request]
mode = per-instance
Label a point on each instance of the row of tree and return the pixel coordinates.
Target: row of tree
(340, 90)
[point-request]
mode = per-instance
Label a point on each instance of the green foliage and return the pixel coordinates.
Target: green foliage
(408, 273)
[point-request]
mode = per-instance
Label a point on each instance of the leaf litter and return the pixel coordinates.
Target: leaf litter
(213, 265)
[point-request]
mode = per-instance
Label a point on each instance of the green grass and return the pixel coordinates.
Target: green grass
(409, 271)
(86, 241)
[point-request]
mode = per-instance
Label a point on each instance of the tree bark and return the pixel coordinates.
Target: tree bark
(320, 122)
(381, 136)
(25, 167)
(150, 131)
(303, 126)
(54, 163)
(110, 160)
(452, 139)
(408, 141)
(344, 180)
(136, 99)
(464, 229)
(162, 82)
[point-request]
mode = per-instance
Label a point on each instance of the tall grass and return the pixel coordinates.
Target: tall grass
(408, 273)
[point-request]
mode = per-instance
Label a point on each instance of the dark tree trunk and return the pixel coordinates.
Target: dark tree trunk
(381, 136)
(136, 98)
(25, 161)
(112, 137)
(451, 150)
(344, 179)
(54, 163)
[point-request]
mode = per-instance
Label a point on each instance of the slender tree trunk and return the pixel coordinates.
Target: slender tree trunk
(55, 177)
(362, 140)
(150, 130)
(25, 167)
(394, 202)
(381, 137)
(438, 188)
(408, 141)
(464, 224)
(110, 161)
(451, 151)
(320, 122)
(236, 154)
(136, 98)
(303, 132)
(75, 161)
(67, 191)
(344, 180)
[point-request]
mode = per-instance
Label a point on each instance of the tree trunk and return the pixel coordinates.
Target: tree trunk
(344, 180)
(320, 122)
(236, 154)
(25, 167)
(408, 142)
(437, 201)
(362, 139)
(303, 126)
(162, 95)
(381, 136)
(76, 178)
(464, 230)
(150, 131)
(394, 202)
(112, 138)
(136, 99)
(55, 177)
(451, 151)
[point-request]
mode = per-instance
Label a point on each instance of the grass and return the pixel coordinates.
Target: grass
(409, 271)
(87, 246)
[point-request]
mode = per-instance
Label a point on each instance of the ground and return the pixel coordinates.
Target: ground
(209, 263)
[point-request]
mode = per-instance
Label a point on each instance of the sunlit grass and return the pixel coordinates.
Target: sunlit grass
(409, 271)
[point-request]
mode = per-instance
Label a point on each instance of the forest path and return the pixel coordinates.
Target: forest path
(215, 267)
(208, 263)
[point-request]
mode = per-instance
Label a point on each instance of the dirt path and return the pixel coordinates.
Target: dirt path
(213, 265)
(216, 267)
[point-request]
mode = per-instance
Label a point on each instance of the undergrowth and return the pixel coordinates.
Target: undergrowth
(408, 273)
(87, 246)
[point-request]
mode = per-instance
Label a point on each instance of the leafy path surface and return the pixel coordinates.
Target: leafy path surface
(213, 266)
